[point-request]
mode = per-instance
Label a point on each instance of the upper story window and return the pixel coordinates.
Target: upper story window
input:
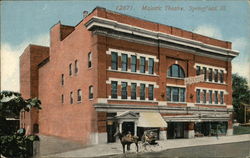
(70, 69)
(124, 62)
(216, 97)
(124, 90)
(204, 96)
(76, 66)
(176, 94)
(91, 92)
(62, 79)
(151, 66)
(133, 90)
(198, 96)
(198, 70)
(79, 95)
(215, 75)
(142, 91)
(205, 73)
(221, 97)
(221, 76)
(176, 71)
(114, 61)
(210, 96)
(210, 74)
(113, 89)
(150, 92)
(89, 60)
(62, 98)
(133, 63)
(142, 64)
(71, 97)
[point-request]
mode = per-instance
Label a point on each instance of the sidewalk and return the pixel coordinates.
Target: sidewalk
(116, 148)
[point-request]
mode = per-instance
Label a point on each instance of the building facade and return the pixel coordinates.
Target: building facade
(116, 72)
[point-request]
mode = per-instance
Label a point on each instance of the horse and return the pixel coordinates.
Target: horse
(127, 141)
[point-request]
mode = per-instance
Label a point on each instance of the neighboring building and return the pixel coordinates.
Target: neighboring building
(112, 71)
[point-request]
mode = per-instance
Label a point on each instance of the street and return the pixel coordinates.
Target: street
(240, 149)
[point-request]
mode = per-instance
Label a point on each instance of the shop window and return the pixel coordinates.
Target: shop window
(210, 96)
(91, 93)
(114, 61)
(221, 97)
(124, 62)
(216, 97)
(89, 59)
(215, 75)
(142, 91)
(198, 91)
(133, 63)
(142, 65)
(176, 71)
(124, 90)
(210, 74)
(204, 96)
(113, 89)
(71, 98)
(133, 90)
(151, 66)
(221, 76)
(176, 94)
(79, 95)
(76, 66)
(151, 92)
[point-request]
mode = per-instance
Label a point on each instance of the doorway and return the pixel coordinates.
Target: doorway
(128, 126)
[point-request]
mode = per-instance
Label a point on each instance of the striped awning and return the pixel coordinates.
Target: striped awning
(151, 119)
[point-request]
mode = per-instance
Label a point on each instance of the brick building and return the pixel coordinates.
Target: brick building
(112, 71)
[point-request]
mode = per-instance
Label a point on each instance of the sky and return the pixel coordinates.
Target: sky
(26, 22)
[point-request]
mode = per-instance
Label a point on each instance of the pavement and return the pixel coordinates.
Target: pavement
(116, 148)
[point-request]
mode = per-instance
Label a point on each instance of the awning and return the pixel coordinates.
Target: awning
(151, 119)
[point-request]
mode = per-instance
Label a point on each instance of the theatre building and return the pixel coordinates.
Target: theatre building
(116, 72)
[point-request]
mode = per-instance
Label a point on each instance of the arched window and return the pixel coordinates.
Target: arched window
(176, 71)
(91, 94)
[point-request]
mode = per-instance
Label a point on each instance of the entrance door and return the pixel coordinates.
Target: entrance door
(128, 126)
(111, 129)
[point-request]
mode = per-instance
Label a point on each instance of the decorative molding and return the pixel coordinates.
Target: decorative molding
(209, 66)
(176, 85)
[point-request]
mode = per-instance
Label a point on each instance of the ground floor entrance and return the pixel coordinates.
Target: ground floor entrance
(175, 130)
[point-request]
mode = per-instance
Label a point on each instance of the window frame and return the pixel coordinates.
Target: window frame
(62, 79)
(216, 75)
(114, 60)
(198, 96)
(150, 92)
(133, 65)
(204, 69)
(221, 76)
(180, 71)
(124, 60)
(89, 59)
(142, 91)
(181, 97)
(76, 67)
(91, 92)
(151, 66)
(210, 75)
(114, 91)
(70, 69)
(124, 92)
(142, 64)
(210, 97)
(79, 95)
(62, 99)
(216, 99)
(198, 70)
(133, 91)
(221, 97)
(204, 96)
(71, 97)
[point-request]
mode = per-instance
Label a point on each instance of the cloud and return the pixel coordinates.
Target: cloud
(10, 61)
(209, 30)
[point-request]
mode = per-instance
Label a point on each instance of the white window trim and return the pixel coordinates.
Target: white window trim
(132, 100)
(209, 66)
(129, 72)
(138, 82)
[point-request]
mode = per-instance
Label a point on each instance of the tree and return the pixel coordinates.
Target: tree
(14, 143)
(241, 95)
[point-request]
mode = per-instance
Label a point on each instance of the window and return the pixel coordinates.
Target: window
(76, 66)
(198, 91)
(62, 98)
(210, 96)
(79, 95)
(62, 79)
(215, 75)
(151, 66)
(133, 90)
(133, 63)
(221, 76)
(204, 96)
(210, 75)
(176, 94)
(142, 91)
(113, 89)
(221, 97)
(91, 94)
(70, 69)
(124, 62)
(176, 71)
(142, 65)
(151, 92)
(71, 97)
(216, 97)
(124, 90)
(205, 73)
(89, 60)
(114, 61)
(198, 70)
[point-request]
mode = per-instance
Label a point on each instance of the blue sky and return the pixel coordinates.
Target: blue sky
(24, 22)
